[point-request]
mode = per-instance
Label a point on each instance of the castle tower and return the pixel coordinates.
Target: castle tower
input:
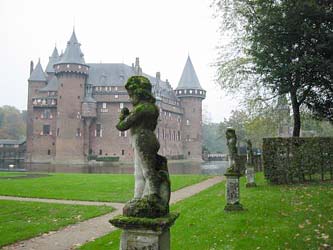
(191, 94)
(36, 81)
(72, 73)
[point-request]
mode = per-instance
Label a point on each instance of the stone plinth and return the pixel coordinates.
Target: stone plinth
(145, 233)
(250, 177)
(232, 192)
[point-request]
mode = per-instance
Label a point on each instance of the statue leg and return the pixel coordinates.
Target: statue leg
(139, 178)
(151, 176)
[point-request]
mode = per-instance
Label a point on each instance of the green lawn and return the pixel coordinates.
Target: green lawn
(90, 187)
(23, 220)
(277, 217)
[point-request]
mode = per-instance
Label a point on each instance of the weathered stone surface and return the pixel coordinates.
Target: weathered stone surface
(232, 174)
(152, 183)
(145, 233)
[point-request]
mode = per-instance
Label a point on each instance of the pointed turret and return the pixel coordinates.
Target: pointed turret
(189, 84)
(189, 79)
(38, 74)
(73, 53)
(53, 59)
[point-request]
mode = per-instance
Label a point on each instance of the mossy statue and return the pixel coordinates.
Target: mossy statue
(233, 155)
(152, 183)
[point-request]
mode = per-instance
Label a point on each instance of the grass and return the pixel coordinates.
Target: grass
(89, 187)
(23, 220)
(277, 217)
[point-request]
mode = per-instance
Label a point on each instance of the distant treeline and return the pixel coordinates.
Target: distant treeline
(12, 123)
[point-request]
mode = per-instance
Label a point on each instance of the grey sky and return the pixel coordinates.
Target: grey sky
(160, 32)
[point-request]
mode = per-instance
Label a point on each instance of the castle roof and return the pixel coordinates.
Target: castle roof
(189, 79)
(73, 53)
(116, 74)
(54, 58)
(38, 74)
(52, 85)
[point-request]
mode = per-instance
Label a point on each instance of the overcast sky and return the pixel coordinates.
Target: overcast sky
(161, 32)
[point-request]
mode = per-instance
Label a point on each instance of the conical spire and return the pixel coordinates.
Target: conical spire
(73, 53)
(38, 74)
(189, 79)
(53, 59)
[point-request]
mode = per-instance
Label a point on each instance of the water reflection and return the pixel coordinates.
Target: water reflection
(175, 167)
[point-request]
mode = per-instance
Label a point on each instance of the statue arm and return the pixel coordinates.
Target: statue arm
(128, 121)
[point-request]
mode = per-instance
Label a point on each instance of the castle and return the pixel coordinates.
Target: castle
(73, 108)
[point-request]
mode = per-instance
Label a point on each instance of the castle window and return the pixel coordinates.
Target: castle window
(58, 132)
(122, 152)
(196, 91)
(200, 92)
(116, 96)
(174, 135)
(78, 97)
(79, 66)
(121, 105)
(163, 133)
(187, 122)
(99, 131)
(178, 135)
(180, 92)
(48, 152)
(78, 132)
(61, 85)
(190, 91)
(67, 65)
(46, 129)
(104, 105)
(100, 152)
(115, 88)
(189, 153)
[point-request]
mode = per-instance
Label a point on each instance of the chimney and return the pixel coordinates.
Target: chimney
(31, 66)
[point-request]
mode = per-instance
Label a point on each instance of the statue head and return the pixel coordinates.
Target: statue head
(139, 90)
(230, 133)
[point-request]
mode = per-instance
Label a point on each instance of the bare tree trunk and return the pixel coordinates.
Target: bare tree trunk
(296, 114)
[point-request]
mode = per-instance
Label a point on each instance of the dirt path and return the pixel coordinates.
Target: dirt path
(80, 233)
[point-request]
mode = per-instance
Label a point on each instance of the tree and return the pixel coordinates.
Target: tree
(289, 44)
(12, 123)
(213, 141)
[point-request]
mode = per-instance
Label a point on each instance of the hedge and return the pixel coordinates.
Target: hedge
(290, 160)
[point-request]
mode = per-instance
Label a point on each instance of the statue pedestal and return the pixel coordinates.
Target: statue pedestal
(232, 192)
(145, 233)
(250, 174)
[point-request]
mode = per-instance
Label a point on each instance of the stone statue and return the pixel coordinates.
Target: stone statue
(231, 143)
(249, 172)
(249, 153)
(152, 183)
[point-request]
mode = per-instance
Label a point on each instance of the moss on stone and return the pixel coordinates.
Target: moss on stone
(155, 224)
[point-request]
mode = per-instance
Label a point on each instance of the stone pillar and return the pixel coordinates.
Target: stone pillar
(250, 173)
(145, 233)
(232, 193)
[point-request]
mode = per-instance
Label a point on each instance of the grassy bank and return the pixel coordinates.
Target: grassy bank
(23, 220)
(90, 187)
(277, 217)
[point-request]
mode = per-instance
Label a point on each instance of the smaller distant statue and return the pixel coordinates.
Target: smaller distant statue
(233, 156)
(152, 183)
(249, 153)
(249, 172)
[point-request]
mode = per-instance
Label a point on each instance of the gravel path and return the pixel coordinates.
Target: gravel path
(80, 233)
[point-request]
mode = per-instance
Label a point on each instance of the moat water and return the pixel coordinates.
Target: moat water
(175, 167)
